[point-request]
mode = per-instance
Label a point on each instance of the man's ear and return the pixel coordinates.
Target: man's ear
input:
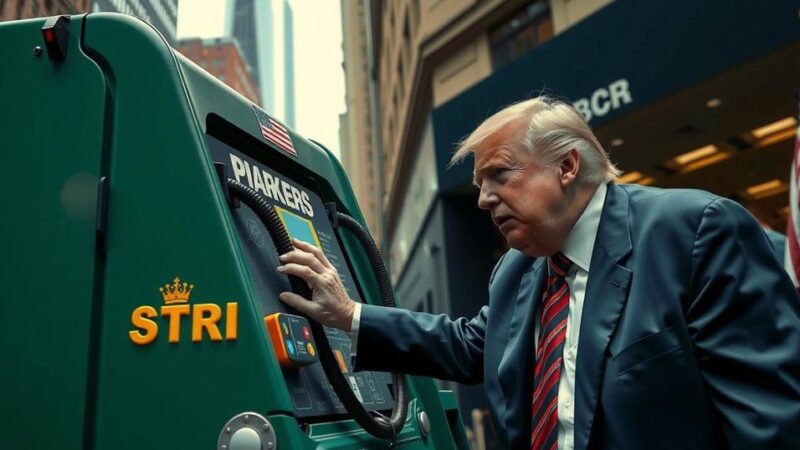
(568, 168)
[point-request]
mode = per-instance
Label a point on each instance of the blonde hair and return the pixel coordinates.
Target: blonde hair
(553, 129)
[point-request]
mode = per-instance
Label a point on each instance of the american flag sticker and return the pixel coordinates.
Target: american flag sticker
(274, 132)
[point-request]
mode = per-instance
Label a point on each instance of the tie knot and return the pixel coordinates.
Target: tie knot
(559, 264)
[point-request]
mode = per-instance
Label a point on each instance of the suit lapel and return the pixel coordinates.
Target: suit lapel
(606, 293)
(515, 372)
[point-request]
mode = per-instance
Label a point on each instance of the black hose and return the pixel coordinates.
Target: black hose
(377, 426)
(399, 385)
(374, 255)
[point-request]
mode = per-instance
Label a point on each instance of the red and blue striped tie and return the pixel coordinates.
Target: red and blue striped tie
(549, 348)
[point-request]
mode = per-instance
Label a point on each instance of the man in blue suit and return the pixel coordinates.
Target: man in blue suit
(623, 317)
(776, 239)
(778, 242)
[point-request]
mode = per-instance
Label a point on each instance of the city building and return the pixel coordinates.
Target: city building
(222, 58)
(288, 65)
(356, 137)
(27, 9)
(161, 14)
(682, 94)
(263, 29)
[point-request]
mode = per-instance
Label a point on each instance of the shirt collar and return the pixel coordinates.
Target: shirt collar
(580, 242)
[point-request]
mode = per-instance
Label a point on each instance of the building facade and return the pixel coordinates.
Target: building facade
(264, 31)
(222, 58)
(161, 14)
(27, 9)
(682, 94)
(288, 66)
(356, 136)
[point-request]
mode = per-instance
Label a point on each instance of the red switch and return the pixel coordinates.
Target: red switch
(56, 37)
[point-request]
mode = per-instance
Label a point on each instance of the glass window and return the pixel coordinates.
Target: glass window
(524, 30)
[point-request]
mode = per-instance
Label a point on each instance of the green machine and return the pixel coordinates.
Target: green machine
(144, 207)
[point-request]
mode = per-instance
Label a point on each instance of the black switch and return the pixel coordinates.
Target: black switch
(56, 37)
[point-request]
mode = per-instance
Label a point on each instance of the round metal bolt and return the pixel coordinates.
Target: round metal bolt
(270, 445)
(266, 427)
(228, 430)
(247, 417)
(37, 51)
(224, 447)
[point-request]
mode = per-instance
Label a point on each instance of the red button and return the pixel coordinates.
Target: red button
(306, 332)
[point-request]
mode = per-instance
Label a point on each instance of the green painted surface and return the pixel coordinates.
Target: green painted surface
(168, 219)
(136, 112)
(50, 130)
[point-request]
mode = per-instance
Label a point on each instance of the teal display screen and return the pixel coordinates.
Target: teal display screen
(298, 227)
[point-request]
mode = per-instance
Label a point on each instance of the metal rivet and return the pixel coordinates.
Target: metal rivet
(424, 423)
(224, 447)
(270, 445)
(37, 51)
(266, 427)
(228, 430)
(246, 417)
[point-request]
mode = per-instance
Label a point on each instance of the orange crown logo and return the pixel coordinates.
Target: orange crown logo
(176, 292)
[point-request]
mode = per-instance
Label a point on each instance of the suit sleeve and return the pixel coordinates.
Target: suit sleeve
(398, 340)
(744, 318)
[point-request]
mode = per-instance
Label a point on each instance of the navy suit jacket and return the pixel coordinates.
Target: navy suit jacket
(690, 336)
(778, 241)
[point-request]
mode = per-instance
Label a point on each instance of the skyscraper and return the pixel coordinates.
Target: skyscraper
(264, 30)
(357, 138)
(222, 58)
(26, 9)
(288, 39)
(162, 14)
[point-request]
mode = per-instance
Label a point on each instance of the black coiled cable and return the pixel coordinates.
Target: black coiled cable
(378, 426)
(387, 297)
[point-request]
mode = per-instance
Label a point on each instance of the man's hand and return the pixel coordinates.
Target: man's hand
(330, 305)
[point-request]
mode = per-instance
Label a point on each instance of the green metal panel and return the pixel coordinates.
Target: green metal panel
(167, 219)
(51, 118)
(457, 435)
(136, 112)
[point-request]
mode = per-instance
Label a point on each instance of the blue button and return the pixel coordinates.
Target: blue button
(290, 347)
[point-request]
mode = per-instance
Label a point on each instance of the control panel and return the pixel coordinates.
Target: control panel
(292, 340)
(303, 214)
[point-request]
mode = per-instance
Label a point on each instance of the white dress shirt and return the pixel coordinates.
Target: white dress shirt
(578, 248)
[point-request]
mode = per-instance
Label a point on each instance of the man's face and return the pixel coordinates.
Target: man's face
(527, 200)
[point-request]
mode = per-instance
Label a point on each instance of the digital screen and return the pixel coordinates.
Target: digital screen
(298, 227)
